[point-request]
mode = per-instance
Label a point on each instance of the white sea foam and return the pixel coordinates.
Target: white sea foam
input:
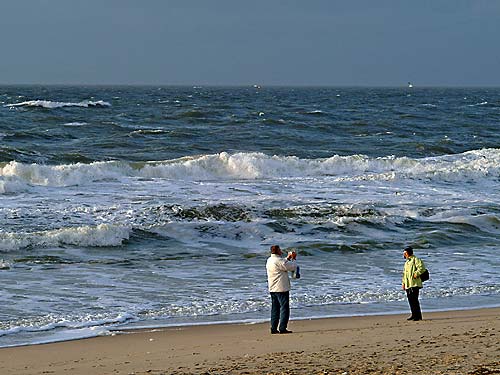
(478, 104)
(12, 185)
(468, 166)
(52, 104)
(95, 236)
(76, 123)
(71, 324)
(148, 131)
(65, 174)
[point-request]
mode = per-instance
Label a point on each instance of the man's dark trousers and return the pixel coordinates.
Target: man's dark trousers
(280, 310)
(412, 294)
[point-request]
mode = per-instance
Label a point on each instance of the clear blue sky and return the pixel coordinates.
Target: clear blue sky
(351, 42)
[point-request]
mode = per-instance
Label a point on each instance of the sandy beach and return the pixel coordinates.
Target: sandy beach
(453, 342)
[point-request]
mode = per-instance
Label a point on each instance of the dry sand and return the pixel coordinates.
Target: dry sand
(455, 342)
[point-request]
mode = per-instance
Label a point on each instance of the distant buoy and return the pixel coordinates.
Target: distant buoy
(410, 85)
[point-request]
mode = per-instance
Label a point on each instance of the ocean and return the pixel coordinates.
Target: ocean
(126, 207)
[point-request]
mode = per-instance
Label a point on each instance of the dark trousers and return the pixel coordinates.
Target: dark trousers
(412, 295)
(280, 310)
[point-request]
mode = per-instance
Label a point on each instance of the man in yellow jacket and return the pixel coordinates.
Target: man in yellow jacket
(412, 283)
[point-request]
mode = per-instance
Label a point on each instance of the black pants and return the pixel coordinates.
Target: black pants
(412, 295)
(280, 310)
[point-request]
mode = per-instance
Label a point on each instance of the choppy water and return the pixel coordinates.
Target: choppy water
(129, 206)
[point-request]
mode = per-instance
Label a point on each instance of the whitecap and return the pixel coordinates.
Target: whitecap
(12, 185)
(76, 123)
(65, 174)
(315, 112)
(52, 104)
(469, 166)
(91, 236)
(147, 131)
(478, 104)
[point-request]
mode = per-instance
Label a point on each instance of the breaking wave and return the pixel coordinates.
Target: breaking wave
(316, 112)
(60, 175)
(468, 167)
(11, 185)
(52, 105)
(75, 123)
(95, 236)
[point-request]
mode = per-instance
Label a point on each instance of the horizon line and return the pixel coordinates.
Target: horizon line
(243, 85)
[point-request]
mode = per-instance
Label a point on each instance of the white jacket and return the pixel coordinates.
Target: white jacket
(277, 273)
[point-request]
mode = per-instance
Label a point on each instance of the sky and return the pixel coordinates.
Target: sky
(271, 42)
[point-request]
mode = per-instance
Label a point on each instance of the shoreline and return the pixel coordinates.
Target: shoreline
(116, 330)
(146, 327)
(451, 342)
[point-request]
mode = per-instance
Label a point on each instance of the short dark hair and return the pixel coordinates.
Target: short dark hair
(275, 249)
(409, 250)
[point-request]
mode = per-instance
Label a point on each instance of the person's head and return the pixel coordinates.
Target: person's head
(408, 252)
(275, 249)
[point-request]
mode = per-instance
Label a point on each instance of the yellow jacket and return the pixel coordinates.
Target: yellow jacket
(413, 265)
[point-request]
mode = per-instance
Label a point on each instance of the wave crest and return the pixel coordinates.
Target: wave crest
(61, 175)
(52, 104)
(468, 166)
(12, 185)
(94, 236)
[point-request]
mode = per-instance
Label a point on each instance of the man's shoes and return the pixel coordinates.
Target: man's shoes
(416, 319)
(410, 318)
(274, 331)
(285, 331)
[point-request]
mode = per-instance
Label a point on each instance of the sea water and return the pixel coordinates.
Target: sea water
(153, 206)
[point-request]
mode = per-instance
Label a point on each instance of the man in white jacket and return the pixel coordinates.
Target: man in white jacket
(279, 287)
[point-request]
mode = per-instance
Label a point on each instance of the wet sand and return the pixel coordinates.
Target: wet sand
(453, 342)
